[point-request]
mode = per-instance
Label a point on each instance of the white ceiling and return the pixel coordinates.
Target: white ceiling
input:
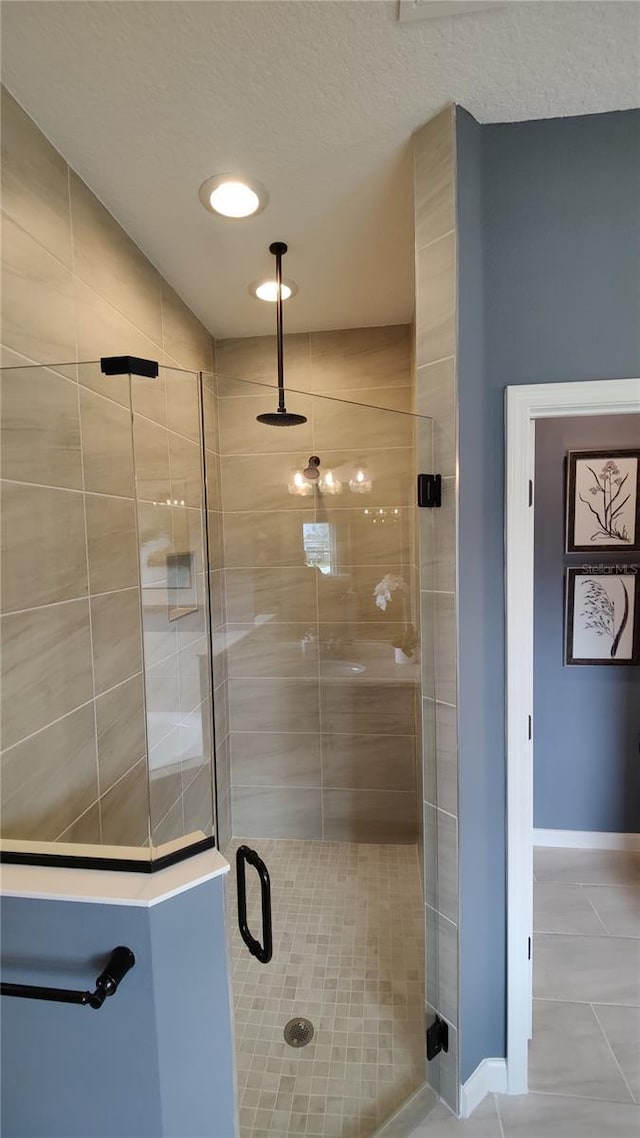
(316, 99)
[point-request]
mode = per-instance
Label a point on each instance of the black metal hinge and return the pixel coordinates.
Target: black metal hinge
(437, 1038)
(529, 949)
(129, 365)
(530, 492)
(429, 489)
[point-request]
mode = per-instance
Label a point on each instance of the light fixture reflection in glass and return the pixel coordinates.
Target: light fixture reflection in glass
(383, 516)
(361, 482)
(300, 485)
(329, 483)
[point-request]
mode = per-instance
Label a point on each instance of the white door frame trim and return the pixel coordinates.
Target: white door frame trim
(525, 404)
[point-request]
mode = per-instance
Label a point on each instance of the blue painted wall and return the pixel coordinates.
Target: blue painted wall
(587, 719)
(157, 1060)
(549, 291)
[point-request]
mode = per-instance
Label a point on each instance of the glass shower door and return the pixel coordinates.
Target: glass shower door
(318, 728)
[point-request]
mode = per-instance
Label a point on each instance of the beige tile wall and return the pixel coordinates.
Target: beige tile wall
(75, 287)
(434, 194)
(318, 748)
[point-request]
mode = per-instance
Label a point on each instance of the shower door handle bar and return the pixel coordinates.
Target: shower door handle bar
(263, 952)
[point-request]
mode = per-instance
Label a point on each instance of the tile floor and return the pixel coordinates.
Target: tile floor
(348, 953)
(584, 1064)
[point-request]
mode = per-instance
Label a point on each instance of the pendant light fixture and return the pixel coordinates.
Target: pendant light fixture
(281, 417)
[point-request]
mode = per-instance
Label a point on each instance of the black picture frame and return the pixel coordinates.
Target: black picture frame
(595, 461)
(596, 610)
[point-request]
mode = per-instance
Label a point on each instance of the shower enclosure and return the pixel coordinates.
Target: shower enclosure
(212, 632)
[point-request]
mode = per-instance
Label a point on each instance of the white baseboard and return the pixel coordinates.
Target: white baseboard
(586, 840)
(490, 1076)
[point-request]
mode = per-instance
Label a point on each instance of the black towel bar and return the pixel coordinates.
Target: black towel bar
(119, 963)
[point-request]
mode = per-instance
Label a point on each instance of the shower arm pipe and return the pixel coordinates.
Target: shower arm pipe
(278, 249)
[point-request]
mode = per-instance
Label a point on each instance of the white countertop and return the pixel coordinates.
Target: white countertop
(108, 886)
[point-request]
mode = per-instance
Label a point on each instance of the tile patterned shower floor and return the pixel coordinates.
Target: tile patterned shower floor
(348, 952)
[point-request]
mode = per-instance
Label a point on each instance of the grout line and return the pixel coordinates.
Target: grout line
(434, 240)
(589, 936)
(315, 396)
(120, 683)
(619, 884)
(179, 798)
(162, 321)
(133, 766)
(439, 810)
(70, 600)
(614, 1056)
(75, 276)
(590, 902)
(124, 407)
(50, 604)
(497, 1104)
(583, 1003)
(68, 713)
(307, 678)
(303, 566)
(46, 725)
(345, 734)
(33, 365)
(398, 450)
(96, 802)
(318, 786)
(444, 918)
(580, 1098)
(496, 1100)
(71, 489)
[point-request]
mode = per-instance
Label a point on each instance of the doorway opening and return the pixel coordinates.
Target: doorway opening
(525, 406)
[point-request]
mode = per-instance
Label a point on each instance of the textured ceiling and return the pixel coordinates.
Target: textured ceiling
(318, 101)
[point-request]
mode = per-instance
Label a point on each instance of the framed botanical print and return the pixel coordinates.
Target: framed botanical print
(603, 615)
(603, 501)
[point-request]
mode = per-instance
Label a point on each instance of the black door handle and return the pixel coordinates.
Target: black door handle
(263, 952)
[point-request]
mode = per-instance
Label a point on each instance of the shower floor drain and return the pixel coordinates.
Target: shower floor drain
(298, 1032)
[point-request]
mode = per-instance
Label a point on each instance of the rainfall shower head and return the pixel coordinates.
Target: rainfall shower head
(281, 417)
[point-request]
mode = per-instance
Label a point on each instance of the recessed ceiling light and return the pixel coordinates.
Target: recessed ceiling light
(268, 290)
(232, 196)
